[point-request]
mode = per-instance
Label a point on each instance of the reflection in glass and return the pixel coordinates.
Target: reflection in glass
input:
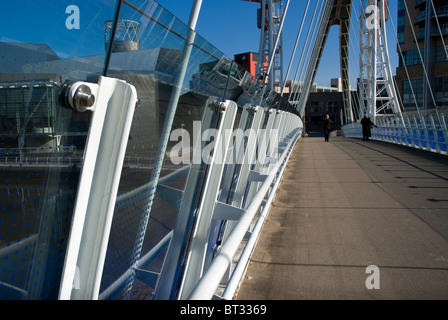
(41, 143)
(138, 247)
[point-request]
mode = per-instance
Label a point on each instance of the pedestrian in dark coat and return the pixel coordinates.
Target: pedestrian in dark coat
(366, 125)
(328, 124)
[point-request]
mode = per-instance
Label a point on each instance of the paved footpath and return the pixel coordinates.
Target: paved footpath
(348, 204)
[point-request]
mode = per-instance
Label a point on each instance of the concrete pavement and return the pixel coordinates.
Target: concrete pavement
(348, 204)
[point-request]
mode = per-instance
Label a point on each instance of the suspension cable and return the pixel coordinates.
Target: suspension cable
(356, 103)
(301, 55)
(313, 27)
(420, 54)
(276, 43)
(295, 46)
(440, 30)
(404, 64)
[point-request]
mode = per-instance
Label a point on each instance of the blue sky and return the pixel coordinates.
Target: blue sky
(230, 25)
(44, 21)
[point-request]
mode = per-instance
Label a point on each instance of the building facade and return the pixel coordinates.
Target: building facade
(423, 57)
(318, 105)
(249, 61)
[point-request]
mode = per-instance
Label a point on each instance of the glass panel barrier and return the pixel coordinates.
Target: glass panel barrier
(151, 59)
(142, 223)
(42, 143)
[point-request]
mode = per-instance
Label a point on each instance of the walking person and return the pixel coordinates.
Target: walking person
(328, 124)
(366, 125)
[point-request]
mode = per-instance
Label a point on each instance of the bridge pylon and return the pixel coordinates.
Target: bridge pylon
(377, 94)
(268, 20)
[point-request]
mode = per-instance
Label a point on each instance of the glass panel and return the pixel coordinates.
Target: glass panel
(42, 45)
(42, 144)
(149, 52)
(152, 65)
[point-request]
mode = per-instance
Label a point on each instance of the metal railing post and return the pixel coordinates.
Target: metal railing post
(197, 251)
(434, 133)
(248, 159)
(208, 283)
(98, 187)
(444, 131)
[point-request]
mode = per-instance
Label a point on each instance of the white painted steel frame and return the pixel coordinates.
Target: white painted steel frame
(271, 42)
(237, 274)
(198, 248)
(313, 62)
(233, 212)
(97, 190)
(237, 154)
(270, 155)
(166, 288)
(208, 283)
(210, 208)
(83, 272)
(376, 75)
(250, 157)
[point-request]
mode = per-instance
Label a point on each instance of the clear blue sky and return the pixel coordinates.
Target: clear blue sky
(230, 25)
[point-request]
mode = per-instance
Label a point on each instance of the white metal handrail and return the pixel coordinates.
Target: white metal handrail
(288, 128)
(210, 280)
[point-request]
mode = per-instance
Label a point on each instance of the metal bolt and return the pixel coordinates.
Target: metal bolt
(252, 110)
(79, 100)
(221, 107)
(83, 98)
(218, 106)
(63, 94)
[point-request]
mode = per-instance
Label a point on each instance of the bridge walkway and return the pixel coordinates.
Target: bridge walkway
(348, 204)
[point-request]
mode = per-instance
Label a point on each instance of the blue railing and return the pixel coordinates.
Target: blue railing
(426, 131)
